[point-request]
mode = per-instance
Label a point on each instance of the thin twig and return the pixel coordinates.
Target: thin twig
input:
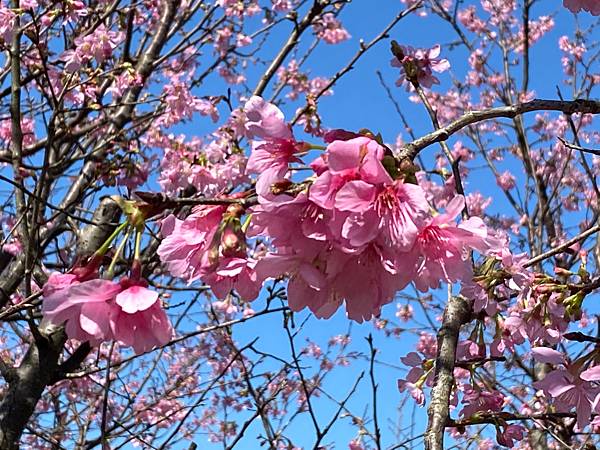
(374, 386)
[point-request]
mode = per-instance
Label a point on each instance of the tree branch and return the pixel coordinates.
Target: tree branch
(289, 45)
(457, 313)
(411, 149)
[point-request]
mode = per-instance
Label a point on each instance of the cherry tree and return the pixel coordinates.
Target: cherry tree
(191, 252)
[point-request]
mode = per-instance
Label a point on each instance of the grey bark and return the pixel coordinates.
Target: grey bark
(457, 313)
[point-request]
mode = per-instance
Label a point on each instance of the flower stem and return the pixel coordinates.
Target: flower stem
(113, 263)
(102, 250)
(138, 245)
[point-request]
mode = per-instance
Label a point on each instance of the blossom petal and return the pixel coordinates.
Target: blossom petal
(547, 355)
(136, 298)
(592, 374)
(355, 196)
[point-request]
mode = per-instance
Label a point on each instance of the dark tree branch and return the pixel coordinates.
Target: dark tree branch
(412, 149)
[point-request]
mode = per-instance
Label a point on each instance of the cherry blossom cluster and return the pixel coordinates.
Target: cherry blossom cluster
(98, 45)
(181, 104)
(357, 230)
(207, 168)
(417, 65)
(571, 385)
(538, 320)
(96, 310)
(330, 29)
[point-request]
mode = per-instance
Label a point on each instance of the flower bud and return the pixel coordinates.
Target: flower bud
(233, 240)
(235, 210)
(559, 271)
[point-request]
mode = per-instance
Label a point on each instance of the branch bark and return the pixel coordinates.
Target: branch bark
(457, 313)
(412, 149)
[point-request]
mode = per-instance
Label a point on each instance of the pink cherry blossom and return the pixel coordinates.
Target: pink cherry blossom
(356, 162)
(164, 414)
(7, 21)
(271, 157)
(271, 161)
(57, 281)
(307, 286)
(282, 5)
(136, 298)
(210, 245)
(100, 310)
(212, 172)
(547, 355)
(405, 312)
(13, 247)
(415, 391)
(470, 20)
(99, 45)
(442, 246)
(137, 318)
(355, 445)
(323, 275)
(186, 241)
(416, 377)
(265, 120)
(422, 62)
(368, 281)
(482, 300)
(506, 181)
(85, 307)
(330, 29)
(390, 217)
(181, 104)
(470, 350)
(509, 434)
(290, 222)
(234, 273)
(570, 388)
(477, 400)
(538, 319)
